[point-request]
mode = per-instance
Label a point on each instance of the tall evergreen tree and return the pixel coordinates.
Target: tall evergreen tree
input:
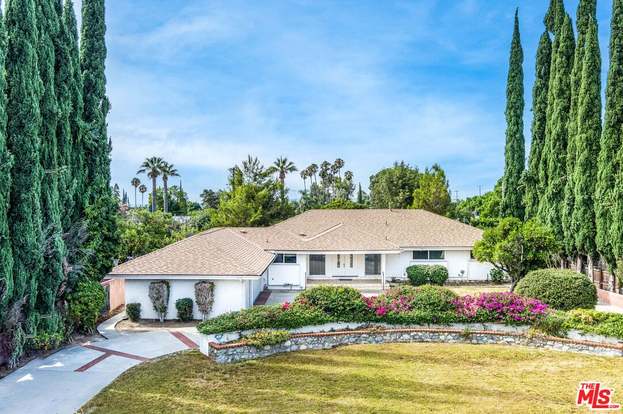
(533, 187)
(23, 129)
(96, 104)
(512, 203)
(587, 143)
(585, 13)
(553, 158)
(6, 162)
(53, 248)
(102, 207)
(609, 189)
(555, 16)
(74, 84)
(63, 82)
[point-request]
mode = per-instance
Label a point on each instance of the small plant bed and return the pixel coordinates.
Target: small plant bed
(389, 378)
(144, 325)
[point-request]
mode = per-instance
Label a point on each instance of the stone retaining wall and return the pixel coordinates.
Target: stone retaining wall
(234, 352)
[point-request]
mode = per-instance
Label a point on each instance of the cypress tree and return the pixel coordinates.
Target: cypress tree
(102, 207)
(63, 77)
(587, 143)
(6, 162)
(586, 12)
(23, 128)
(78, 172)
(539, 116)
(609, 190)
(54, 248)
(555, 16)
(555, 149)
(514, 154)
(96, 104)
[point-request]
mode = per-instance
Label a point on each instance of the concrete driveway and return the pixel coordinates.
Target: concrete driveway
(65, 380)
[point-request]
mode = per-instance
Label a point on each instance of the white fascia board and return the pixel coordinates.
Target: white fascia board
(337, 251)
(184, 277)
(461, 248)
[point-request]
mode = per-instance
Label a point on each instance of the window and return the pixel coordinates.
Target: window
(373, 264)
(316, 264)
(428, 255)
(285, 258)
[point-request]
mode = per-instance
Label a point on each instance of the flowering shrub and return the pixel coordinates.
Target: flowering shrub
(499, 306)
(407, 298)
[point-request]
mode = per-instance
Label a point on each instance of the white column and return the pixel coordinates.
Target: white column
(383, 265)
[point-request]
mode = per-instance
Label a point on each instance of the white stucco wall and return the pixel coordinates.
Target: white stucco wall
(455, 260)
(288, 274)
(229, 295)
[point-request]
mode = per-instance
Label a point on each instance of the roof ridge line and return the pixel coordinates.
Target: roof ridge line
(322, 233)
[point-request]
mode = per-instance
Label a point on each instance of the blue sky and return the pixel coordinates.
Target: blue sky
(204, 83)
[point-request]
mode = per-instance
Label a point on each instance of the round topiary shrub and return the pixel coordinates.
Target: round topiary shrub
(342, 302)
(133, 310)
(559, 288)
(184, 308)
(433, 298)
(437, 275)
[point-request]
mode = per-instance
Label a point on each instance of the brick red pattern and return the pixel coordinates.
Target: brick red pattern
(184, 339)
(106, 353)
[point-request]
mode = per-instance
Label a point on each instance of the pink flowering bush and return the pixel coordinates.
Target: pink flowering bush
(500, 306)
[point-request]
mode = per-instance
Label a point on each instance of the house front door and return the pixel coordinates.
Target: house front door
(344, 266)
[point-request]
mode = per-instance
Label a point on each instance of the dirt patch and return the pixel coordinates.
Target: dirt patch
(152, 325)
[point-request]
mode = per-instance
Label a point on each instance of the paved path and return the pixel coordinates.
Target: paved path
(65, 380)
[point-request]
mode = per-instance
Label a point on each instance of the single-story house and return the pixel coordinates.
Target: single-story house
(363, 248)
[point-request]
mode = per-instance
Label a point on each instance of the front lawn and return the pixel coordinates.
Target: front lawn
(390, 378)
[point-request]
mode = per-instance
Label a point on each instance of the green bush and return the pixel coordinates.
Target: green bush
(45, 341)
(133, 310)
(85, 305)
(554, 324)
(559, 288)
(592, 321)
(286, 316)
(497, 276)
(427, 275)
(341, 302)
(265, 337)
(433, 298)
(417, 274)
(184, 308)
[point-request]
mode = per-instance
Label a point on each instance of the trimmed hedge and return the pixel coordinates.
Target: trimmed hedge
(343, 303)
(286, 316)
(427, 275)
(85, 304)
(592, 321)
(424, 298)
(184, 308)
(133, 310)
(559, 288)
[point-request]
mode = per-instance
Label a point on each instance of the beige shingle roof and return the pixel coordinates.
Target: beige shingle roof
(216, 252)
(245, 251)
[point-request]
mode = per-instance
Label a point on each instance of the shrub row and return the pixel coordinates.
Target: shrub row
(588, 321)
(427, 275)
(402, 305)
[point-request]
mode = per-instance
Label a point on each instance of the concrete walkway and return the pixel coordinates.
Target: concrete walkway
(65, 380)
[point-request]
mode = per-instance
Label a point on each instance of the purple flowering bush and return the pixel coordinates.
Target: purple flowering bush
(500, 306)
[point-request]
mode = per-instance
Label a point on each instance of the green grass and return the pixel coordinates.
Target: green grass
(391, 378)
(474, 290)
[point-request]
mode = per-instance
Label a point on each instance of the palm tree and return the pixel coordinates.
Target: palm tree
(167, 170)
(304, 176)
(152, 166)
(135, 183)
(337, 166)
(313, 170)
(142, 189)
(283, 167)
